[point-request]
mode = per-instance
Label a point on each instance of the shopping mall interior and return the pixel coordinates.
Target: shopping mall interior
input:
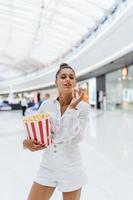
(95, 39)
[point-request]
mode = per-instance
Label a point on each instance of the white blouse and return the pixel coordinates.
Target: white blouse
(68, 128)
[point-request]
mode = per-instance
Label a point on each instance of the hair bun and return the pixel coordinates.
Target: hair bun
(63, 65)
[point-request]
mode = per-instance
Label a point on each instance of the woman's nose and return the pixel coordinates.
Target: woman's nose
(68, 78)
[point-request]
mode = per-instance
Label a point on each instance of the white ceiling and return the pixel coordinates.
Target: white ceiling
(35, 33)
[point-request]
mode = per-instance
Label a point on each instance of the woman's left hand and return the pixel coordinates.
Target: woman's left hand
(77, 97)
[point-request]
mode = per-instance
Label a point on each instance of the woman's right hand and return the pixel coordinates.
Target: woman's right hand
(33, 145)
(77, 95)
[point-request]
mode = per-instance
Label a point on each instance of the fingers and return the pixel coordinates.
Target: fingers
(34, 145)
(80, 90)
(74, 92)
(38, 147)
(77, 93)
(35, 141)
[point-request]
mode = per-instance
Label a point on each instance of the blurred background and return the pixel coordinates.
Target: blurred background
(95, 38)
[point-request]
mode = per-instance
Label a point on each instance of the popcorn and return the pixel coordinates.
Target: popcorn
(38, 128)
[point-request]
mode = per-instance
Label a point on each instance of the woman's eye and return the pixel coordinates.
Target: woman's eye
(63, 77)
(71, 77)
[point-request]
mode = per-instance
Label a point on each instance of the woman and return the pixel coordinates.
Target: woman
(61, 165)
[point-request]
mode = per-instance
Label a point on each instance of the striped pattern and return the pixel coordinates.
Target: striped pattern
(39, 131)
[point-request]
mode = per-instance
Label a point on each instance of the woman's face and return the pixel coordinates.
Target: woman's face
(66, 80)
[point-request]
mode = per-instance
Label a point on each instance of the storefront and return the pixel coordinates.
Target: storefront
(89, 87)
(119, 89)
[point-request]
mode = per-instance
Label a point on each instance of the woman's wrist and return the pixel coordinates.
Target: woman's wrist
(72, 107)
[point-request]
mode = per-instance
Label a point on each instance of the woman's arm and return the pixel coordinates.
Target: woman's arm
(75, 119)
(74, 123)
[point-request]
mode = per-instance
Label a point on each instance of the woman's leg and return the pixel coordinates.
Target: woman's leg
(40, 192)
(74, 195)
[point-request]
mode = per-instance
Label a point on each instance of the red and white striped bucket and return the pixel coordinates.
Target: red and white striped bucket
(39, 130)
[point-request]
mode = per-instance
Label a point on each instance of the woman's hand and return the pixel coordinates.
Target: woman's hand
(77, 97)
(33, 145)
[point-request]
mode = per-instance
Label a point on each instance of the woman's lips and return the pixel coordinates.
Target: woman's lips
(67, 85)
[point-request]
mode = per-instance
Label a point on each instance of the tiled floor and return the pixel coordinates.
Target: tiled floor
(107, 153)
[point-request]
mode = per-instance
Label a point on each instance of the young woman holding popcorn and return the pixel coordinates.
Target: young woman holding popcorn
(61, 165)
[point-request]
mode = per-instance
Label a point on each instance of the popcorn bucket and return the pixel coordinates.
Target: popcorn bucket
(38, 128)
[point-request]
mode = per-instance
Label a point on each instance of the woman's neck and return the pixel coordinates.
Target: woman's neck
(65, 99)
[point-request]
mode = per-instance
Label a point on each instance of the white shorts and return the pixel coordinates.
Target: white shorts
(61, 167)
